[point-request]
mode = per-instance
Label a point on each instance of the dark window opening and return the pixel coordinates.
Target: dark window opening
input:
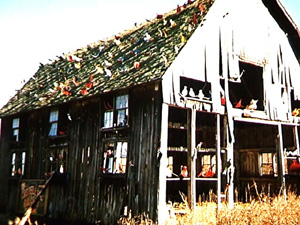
(295, 104)
(195, 87)
(57, 160)
(248, 86)
(17, 163)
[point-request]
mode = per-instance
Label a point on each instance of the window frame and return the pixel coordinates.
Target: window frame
(115, 111)
(53, 122)
(16, 129)
(272, 162)
(18, 163)
(57, 161)
(109, 158)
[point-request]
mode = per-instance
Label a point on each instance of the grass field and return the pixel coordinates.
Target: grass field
(263, 210)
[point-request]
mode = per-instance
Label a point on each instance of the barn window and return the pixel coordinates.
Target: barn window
(122, 109)
(16, 128)
(268, 164)
(57, 160)
(18, 163)
(115, 157)
(246, 86)
(115, 111)
(53, 120)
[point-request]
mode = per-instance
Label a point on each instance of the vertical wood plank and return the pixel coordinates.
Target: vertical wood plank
(296, 139)
(162, 211)
(281, 170)
(219, 163)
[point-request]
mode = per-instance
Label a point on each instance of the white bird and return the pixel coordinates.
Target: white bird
(200, 94)
(191, 92)
(184, 92)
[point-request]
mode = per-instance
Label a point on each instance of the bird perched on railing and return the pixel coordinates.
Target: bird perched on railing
(184, 172)
(252, 105)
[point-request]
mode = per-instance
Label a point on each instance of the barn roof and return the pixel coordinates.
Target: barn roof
(136, 56)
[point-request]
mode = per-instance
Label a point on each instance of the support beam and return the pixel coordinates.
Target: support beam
(296, 139)
(219, 162)
(192, 155)
(281, 164)
(162, 186)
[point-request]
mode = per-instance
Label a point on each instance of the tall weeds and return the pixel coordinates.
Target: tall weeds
(265, 210)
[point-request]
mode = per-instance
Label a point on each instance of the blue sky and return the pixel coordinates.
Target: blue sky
(33, 31)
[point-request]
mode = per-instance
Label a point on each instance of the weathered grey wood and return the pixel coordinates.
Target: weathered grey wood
(281, 164)
(192, 155)
(161, 208)
(219, 162)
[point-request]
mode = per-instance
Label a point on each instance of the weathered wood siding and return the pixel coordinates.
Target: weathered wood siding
(144, 144)
(84, 193)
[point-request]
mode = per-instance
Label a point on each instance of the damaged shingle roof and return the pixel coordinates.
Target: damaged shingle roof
(134, 57)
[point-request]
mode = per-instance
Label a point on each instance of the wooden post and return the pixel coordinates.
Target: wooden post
(219, 162)
(281, 164)
(296, 139)
(229, 161)
(162, 186)
(192, 155)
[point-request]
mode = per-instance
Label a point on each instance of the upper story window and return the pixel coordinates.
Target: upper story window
(115, 111)
(16, 129)
(115, 157)
(53, 120)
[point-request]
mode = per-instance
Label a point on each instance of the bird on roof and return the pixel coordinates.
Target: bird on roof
(178, 10)
(107, 63)
(107, 73)
(136, 64)
(172, 23)
(147, 37)
(182, 38)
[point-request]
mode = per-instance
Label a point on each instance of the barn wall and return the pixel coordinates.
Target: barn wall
(83, 192)
(144, 142)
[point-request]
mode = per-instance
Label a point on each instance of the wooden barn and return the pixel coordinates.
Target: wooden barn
(203, 98)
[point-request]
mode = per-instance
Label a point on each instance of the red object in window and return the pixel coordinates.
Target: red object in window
(222, 101)
(239, 104)
(294, 167)
(184, 172)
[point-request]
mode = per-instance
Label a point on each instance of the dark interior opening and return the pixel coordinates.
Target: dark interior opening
(196, 85)
(248, 86)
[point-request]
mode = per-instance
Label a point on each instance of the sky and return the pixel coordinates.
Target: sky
(34, 31)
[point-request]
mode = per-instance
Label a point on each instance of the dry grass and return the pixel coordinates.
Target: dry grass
(265, 210)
